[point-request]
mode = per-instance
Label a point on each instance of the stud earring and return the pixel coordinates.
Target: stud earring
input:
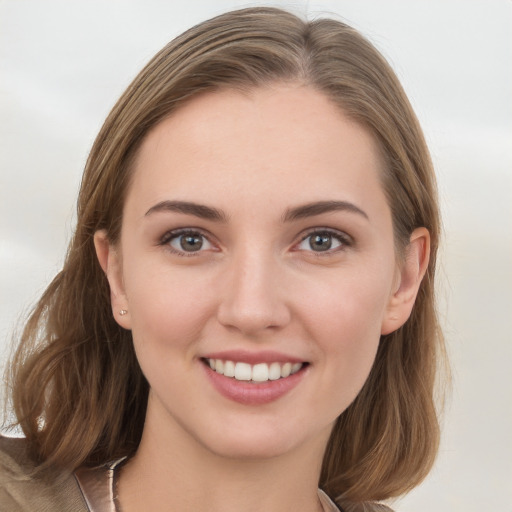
(123, 312)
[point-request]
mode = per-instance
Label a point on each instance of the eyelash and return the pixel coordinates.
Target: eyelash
(175, 234)
(344, 240)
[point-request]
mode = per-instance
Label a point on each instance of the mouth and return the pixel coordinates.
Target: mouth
(254, 373)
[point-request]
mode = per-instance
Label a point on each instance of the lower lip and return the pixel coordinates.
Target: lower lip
(253, 393)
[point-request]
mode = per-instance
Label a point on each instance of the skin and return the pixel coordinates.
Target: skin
(256, 284)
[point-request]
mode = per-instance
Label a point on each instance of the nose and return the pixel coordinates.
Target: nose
(254, 298)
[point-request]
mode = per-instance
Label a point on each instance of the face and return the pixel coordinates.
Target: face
(257, 265)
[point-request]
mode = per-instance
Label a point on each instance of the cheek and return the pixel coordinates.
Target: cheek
(348, 306)
(168, 306)
(344, 317)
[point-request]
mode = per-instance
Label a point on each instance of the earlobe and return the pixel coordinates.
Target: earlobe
(409, 280)
(110, 261)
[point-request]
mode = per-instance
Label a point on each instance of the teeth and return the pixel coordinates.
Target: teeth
(274, 371)
(286, 369)
(261, 372)
(242, 371)
(229, 369)
(219, 366)
(296, 367)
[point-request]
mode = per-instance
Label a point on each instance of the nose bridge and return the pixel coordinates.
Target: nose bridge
(252, 299)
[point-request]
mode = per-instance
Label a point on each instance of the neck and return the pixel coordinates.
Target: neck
(173, 471)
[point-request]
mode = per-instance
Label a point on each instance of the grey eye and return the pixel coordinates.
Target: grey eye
(189, 242)
(320, 242)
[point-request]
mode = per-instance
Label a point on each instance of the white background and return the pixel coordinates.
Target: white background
(63, 65)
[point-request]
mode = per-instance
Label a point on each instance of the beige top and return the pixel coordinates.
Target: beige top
(54, 490)
(86, 490)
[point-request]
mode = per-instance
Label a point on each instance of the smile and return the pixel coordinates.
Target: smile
(261, 372)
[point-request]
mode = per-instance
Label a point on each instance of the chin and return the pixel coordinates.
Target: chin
(260, 442)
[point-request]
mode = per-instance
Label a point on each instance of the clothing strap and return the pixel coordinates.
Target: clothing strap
(98, 486)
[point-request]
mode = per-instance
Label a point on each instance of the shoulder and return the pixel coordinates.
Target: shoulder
(363, 507)
(22, 490)
(347, 506)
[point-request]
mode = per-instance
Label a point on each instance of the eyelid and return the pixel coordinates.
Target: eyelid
(344, 239)
(174, 233)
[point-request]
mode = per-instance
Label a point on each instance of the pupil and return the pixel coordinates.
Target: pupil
(321, 242)
(191, 242)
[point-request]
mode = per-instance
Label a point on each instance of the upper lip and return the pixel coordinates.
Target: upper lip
(245, 356)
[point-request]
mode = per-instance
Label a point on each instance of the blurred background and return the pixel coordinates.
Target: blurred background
(64, 64)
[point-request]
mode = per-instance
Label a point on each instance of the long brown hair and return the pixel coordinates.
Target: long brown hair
(77, 390)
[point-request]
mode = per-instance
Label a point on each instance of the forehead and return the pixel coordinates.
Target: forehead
(285, 139)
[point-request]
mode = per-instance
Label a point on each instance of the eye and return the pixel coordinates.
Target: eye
(188, 241)
(323, 241)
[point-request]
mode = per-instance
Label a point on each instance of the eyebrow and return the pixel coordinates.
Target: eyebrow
(317, 208)
(198, 210)
(296, 213)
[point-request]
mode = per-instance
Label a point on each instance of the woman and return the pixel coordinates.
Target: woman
(245, 319)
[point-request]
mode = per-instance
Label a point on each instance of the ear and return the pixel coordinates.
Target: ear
(409, 278)
(110, 261)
